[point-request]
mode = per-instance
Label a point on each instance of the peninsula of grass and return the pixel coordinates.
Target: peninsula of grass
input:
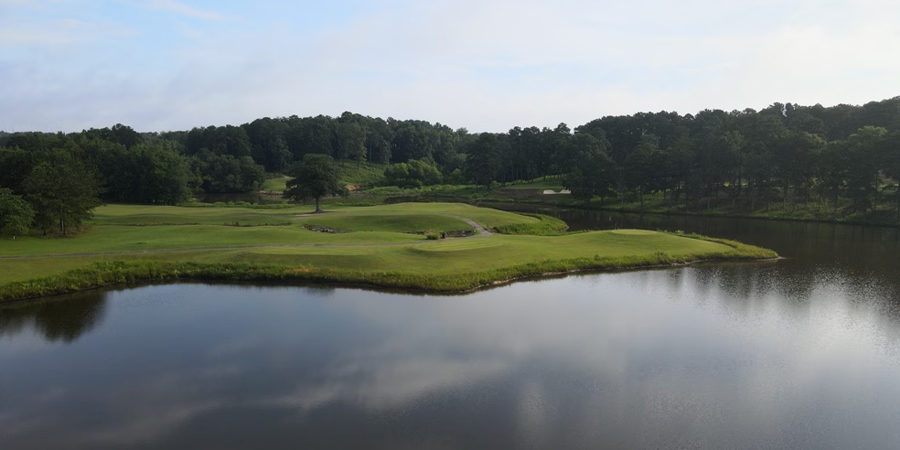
(379, 247)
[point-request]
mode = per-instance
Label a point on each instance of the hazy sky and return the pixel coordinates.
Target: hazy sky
(486, 65)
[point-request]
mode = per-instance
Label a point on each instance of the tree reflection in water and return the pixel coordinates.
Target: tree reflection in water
(64, 318)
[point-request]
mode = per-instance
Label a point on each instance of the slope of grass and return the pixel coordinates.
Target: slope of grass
(402, 223)
(539, 183)
(486, 217)
(275, 184)
(361, 174)
(547, 226)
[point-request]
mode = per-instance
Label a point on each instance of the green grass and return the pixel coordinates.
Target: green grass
(361, 174)
(275, 184)
(385, 256)
(548, 226)
(118, 238)
(486, 217)
(403, 223)
(539, 183)
(190, 213)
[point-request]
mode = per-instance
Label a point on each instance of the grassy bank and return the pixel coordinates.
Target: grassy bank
(377, 249)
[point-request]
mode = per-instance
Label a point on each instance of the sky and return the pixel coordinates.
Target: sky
(486, 65)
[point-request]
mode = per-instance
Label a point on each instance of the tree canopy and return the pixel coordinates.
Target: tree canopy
(316, 177)
(63, 193)
(844, 155)
(16, 214)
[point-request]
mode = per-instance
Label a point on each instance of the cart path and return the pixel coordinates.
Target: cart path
(482, 233)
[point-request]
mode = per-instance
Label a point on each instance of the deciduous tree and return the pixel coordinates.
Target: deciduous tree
(316, 177)
(16, 214)
(62, 192)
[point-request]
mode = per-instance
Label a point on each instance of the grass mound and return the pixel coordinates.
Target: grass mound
(486, 217)
(459, 245)
(406, 223)
(546, 226)
(633, 232)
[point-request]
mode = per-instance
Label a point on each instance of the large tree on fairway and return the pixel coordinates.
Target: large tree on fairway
(316, 177)
(16, 214)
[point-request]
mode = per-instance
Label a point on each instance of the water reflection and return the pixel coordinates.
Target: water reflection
(802, 353)
(64, 318)
(706, 357)
(863, 258)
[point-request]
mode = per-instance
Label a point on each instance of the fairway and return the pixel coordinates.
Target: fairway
(377, 245)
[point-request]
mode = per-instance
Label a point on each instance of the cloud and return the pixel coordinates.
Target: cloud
(61, 32)
(487, 66)
(181, 9)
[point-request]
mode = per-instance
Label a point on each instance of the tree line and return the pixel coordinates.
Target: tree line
(784, 153)
(846, 156)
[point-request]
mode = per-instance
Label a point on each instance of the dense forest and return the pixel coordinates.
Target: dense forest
(842, 156)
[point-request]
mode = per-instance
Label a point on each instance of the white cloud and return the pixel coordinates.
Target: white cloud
(486, 65)
(62, 32)
(181, 8)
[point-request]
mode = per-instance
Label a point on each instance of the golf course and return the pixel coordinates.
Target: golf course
(441, 247)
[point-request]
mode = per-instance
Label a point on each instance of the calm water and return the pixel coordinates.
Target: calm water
(803, 353)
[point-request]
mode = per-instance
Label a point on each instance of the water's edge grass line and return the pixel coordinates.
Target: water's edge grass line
(129, 273)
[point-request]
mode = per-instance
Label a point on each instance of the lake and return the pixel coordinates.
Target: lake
(803, 353)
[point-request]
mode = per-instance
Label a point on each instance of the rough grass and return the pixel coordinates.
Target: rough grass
(547, 226)
(361, 174)
(377, 258)
(540, 183)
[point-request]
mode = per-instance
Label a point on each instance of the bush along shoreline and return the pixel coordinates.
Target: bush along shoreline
(130, 273)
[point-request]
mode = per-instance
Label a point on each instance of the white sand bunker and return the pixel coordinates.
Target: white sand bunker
(552, 192)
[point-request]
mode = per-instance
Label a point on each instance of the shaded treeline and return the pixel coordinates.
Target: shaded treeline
(794, 155)
(842, 156)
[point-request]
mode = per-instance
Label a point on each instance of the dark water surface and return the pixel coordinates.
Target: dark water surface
(803, 353)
